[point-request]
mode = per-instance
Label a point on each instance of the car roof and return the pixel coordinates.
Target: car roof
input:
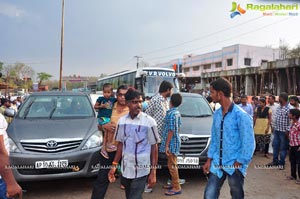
(54, 93)
(191, 94)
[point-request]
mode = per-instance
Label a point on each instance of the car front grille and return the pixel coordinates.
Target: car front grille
(51, 145)
(193, 145)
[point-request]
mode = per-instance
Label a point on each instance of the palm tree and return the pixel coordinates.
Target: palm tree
(43, 77)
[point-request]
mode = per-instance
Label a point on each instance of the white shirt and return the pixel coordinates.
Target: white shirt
(273, 108)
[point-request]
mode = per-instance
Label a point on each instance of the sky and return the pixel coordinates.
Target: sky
(104, 36)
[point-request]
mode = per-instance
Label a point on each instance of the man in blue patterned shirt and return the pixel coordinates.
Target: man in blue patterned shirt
(171, 142)
(232, 144)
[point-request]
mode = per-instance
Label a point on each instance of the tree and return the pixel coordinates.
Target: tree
(43, 77)
(295, 52)
(283, 49)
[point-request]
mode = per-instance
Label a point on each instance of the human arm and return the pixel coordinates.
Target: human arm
(170, 135)
(269, 121)
(154, 158)
(111, 173)
(13, 189)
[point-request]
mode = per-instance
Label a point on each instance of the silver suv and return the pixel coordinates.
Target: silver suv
(195, 132)
(54, 135)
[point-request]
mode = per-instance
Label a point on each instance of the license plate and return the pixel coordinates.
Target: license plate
(188, 160)
(51, 164)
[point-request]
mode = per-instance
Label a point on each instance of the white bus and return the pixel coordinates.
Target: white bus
(146, 80)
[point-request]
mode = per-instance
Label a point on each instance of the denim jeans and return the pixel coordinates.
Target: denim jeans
(134, 188)
(280, 147)
(235, 181)
(2, 189)
(102, 182)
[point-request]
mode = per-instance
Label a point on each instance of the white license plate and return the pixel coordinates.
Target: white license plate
(188, 160)
(51, 164)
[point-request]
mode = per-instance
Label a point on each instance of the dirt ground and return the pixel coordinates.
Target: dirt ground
(260, 183)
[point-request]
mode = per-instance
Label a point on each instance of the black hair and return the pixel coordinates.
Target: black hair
(209, 99)
(254, 98)
(295, 112)
(107, 85)
(122, 87)
(165, 86)
(131, 94)
(263, 100)
(294, 97)
(222, 84)
(284, 96)
(244, 96)
(272, 96)
(176, 99)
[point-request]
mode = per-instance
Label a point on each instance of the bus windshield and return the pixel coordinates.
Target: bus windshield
(151, 85)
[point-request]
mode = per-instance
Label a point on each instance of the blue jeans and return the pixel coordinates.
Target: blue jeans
(3, 189)
(280, 147)
(134, 188)
(235, 181)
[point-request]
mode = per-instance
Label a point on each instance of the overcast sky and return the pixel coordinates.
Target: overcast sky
(104, 36)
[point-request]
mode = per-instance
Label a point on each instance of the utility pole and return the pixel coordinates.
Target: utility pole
(137, 60)
(61, 44)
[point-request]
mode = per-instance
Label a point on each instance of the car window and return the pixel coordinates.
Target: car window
(194, 107)
(56, 107)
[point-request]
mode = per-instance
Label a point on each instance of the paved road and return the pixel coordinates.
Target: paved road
(260, 184)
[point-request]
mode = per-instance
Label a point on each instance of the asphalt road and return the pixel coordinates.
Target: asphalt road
(260, 183)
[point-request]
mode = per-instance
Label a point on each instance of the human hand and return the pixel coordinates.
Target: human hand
(206, 167)
(237, 165)
(152, 179)
(14, 191)
(167, 151)
(111, 174)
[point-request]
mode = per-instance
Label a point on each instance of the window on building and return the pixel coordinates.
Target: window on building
(195, 68)
(247, 62)
(207, 66)
(264, 61)
(229, 62)
(219, 65)
(186, 70)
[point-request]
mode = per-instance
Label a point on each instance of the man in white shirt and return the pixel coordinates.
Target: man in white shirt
(13, 189)
(273, 106)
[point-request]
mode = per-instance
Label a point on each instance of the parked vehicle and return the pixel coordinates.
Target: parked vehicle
(195, 132)
(54, 135)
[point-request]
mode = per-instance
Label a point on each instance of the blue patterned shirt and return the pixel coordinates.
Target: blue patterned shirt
(237, 141)
(172, 123)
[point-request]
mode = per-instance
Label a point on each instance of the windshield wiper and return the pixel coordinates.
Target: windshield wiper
(53, 110)
(27, 109)
(204, 115)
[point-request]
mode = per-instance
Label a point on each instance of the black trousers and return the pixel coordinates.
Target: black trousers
(134, 188)
(102, 182)
(295, 161)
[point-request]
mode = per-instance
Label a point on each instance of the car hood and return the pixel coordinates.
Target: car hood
(196, 125)
(49, 128)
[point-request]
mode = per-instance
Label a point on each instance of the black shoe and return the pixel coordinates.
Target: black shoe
(272, 164)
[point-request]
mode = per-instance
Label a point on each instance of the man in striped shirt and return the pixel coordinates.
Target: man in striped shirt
(282, 125)
(138, 137)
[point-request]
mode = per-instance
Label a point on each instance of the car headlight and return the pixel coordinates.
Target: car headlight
(13, 148)
(94, 140)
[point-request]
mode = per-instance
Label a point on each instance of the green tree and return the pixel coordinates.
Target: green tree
(43, 77)
(295, 52)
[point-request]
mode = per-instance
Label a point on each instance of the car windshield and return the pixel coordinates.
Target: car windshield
(193, 106)
(56, 107)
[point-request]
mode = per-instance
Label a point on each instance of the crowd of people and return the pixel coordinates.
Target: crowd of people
(276, 127)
